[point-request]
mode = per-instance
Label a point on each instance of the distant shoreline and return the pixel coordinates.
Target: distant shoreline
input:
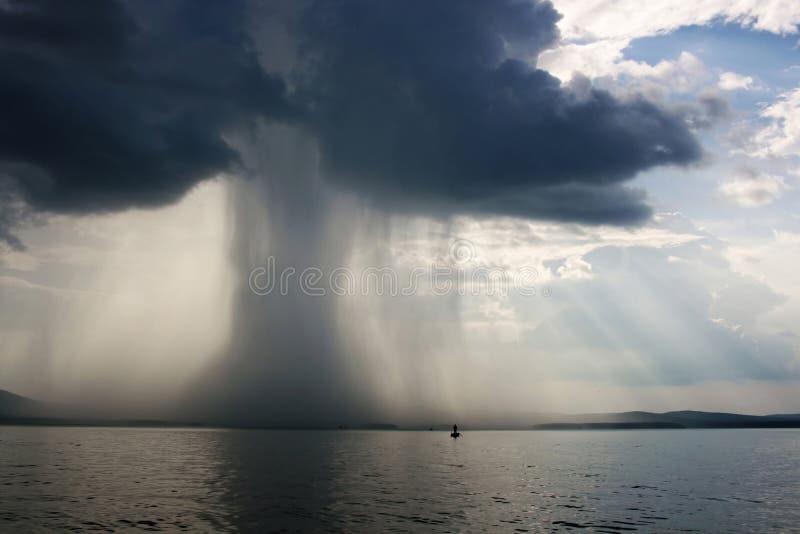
(22, 411)
(91, 423)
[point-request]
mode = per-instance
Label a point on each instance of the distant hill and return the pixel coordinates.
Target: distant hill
(13, 405)
(679, 419)
(18, 410)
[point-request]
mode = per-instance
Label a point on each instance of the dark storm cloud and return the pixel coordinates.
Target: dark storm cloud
(103, 108)
(416, 105)
(425, 102)
(593, 204)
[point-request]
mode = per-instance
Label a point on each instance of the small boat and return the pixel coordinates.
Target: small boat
(455, 433)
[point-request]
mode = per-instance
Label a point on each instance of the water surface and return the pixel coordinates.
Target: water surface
(112, 479)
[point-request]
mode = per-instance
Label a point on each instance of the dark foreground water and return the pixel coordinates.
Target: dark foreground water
(115, 479)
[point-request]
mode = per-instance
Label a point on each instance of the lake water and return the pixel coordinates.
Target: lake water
(113, 479)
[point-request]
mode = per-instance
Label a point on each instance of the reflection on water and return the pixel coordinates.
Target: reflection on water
(214, 480)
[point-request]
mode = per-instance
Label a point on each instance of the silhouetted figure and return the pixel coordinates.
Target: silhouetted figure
(455, 432)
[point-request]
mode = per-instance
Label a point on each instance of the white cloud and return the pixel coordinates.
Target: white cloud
(730, 81)
(773, 261)
(575, 268)
(629, 19)
(598, 58)
(781, 136)
(596, 32)
(605, 59)
(622, 325)
(510, 243)
(750, 189)
(603, 62)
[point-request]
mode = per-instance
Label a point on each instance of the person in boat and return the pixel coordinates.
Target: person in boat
(455, 433)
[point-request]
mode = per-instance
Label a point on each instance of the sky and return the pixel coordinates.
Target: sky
(607, 194)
